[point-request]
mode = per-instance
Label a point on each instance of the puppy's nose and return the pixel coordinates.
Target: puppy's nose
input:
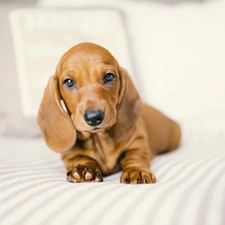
(94, 117)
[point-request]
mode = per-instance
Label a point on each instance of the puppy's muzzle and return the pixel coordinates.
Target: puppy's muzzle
(93, 117)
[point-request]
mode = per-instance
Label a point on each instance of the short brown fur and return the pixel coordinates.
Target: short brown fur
(129, 136)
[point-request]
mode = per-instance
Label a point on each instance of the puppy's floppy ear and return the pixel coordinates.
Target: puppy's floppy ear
(56, 126)
(129, 108)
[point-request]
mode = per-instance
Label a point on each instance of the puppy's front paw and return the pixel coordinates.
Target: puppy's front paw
(84, 173)
(137, 176)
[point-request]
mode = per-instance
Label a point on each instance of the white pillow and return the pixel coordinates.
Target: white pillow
(41, 36)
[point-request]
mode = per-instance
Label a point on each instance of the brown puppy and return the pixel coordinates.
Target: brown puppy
(105, 126)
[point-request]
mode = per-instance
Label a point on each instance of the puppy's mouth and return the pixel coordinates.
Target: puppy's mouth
(99, 129)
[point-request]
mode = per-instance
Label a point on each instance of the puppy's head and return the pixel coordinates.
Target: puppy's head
(98, 95)
(89, 84)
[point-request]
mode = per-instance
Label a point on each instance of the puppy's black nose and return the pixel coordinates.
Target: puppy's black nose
(94, 117)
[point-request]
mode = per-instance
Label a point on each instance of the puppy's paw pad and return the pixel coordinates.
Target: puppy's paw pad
(81, 173)
(88, 176)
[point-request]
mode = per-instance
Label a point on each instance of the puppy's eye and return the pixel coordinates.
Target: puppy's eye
(69, 83)
(108, 78)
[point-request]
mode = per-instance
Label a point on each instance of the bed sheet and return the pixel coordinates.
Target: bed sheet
(190, 188)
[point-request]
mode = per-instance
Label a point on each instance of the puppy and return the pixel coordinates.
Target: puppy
(104, 126)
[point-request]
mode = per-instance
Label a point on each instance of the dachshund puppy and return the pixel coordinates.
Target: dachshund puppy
(103, 127)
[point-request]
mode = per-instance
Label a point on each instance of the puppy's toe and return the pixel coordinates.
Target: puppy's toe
(148, 177)
(98, 176)
(69, 177)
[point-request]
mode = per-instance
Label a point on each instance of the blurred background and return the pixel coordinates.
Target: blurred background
(174, 51)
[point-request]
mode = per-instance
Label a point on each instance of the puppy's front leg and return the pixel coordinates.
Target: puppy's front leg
(84, 169)
(135, 165)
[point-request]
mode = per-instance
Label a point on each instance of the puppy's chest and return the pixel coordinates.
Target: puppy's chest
(104, 150)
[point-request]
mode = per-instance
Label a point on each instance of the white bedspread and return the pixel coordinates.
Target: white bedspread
(190, 189)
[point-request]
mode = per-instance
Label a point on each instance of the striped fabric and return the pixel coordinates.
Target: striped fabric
(190, 189)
